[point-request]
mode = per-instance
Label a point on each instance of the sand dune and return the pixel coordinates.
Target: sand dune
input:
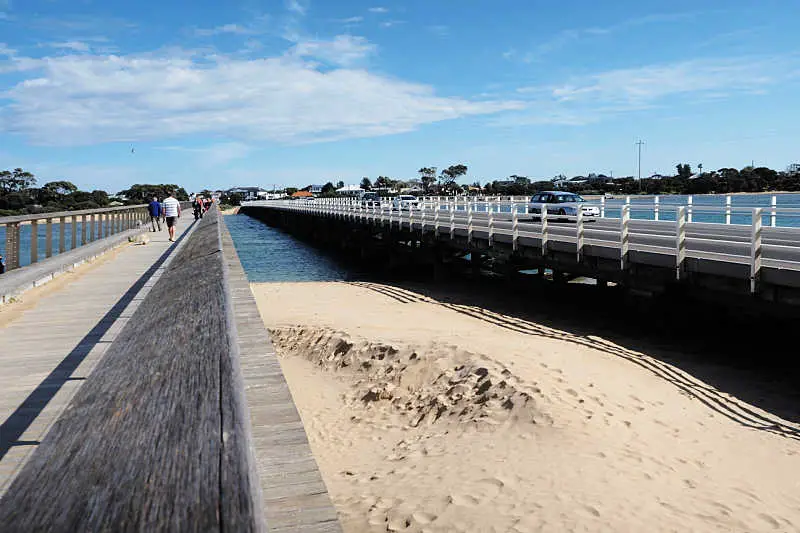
(432, 416)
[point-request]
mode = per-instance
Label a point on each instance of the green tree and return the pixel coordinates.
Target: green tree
(328, 188)
(16, 180)
(428, 178)
(339, 184)
(366, 184)
(450, 175)
(684, 170)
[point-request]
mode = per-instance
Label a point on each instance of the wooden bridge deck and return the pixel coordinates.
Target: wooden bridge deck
(48, 351)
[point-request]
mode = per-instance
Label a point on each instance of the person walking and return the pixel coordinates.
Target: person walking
(172, 211)
(198, 207)
(2, 265)
(155, 213)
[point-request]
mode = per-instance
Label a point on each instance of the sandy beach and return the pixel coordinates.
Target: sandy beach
(430, 415)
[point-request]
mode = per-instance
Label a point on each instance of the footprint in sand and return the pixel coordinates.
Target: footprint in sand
(769, 520)
(464, 500)
(423, 518)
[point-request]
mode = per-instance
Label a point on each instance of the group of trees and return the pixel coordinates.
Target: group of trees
(684, 181)
(20, 195)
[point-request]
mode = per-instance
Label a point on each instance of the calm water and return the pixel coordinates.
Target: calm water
(25, 240)
(268, 254)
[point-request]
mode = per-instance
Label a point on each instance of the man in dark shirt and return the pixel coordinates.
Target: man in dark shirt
(155, 213)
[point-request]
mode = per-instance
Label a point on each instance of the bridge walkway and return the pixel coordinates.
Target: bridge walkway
(50, 342)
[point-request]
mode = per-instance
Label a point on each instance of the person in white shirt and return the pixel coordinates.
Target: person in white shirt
(172, 211)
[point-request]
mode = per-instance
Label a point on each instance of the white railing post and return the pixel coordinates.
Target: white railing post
(755, 250)
(689, 210)
(544, 230)
(452, 219)
(579, 233)
(410, 217)
(436, 219)
(491, 223)
(423, 218)
(728, 209)
(773, 211)
(655, 208)
(624, 236)
(680, 242)
(469, 221)
(515, 230)
(602, 207)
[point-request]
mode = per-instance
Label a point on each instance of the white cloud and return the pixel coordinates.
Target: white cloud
(595, 97)
(75, 46)
(215, 154)
(378, 10)
(344, 50)
(92, 99)
(225, 28)
(297, 6)
(352, 20)
(390, 23)
(439, 29)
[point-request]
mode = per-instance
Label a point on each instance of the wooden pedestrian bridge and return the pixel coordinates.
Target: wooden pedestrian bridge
(139, 390)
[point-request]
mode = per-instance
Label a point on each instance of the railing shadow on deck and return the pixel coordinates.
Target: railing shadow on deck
(722, 388)
(23, 416)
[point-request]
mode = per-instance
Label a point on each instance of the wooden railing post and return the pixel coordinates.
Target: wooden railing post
(655, 208)
(689, 210)
(451, 208)
(34, 241)
(625, 219)
(680, 242)
(62, 222)
(74, 235)
(83, 230)
(91, 228)
(469, 222)
(436, 219)
(491, 222)
(755, 251)
(48, 238)
(12, 245)
(602, 207)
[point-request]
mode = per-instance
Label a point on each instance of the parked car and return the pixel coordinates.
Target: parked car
(405, 201)
(561, 203)
(371, 199)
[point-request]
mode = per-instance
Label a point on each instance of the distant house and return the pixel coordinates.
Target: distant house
(247, 193)
(350, 190)
(302, 194)
(656, 177)
(793, 169)
(314, 189)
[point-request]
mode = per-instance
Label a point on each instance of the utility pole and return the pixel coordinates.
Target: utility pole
(639, 144)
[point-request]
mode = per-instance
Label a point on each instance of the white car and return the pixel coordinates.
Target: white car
(405, 201)
(561, 203)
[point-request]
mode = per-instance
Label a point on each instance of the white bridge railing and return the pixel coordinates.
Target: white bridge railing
(517, 223)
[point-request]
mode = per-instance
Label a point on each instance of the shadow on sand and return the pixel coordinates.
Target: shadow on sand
(708, 357)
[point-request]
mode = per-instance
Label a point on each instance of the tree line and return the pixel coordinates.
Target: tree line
(684, 181)
(19, 195)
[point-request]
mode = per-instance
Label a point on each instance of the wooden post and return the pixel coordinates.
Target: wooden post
(680, 242)
(579, 234)
(74, 232)
(728, 209)
(34, 241)
(436, 219)
(655, 208)
(755, 250)
(83, 230)
(62, 222)
(544, 229)
(91, 228)
(774, 211)
(602, 207)
(422, 232)
(48, 238)
(12, 245)
(689, 210)
(625, 219)
(515, 229)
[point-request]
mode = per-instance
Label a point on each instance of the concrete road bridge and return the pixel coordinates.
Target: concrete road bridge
(646, 255)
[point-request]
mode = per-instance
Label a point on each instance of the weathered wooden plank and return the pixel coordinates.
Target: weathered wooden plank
(157, 438)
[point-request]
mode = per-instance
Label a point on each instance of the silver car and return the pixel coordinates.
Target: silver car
(561, 203)
(405, 202)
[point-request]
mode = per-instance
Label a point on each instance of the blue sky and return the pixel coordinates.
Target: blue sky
(290, 92)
